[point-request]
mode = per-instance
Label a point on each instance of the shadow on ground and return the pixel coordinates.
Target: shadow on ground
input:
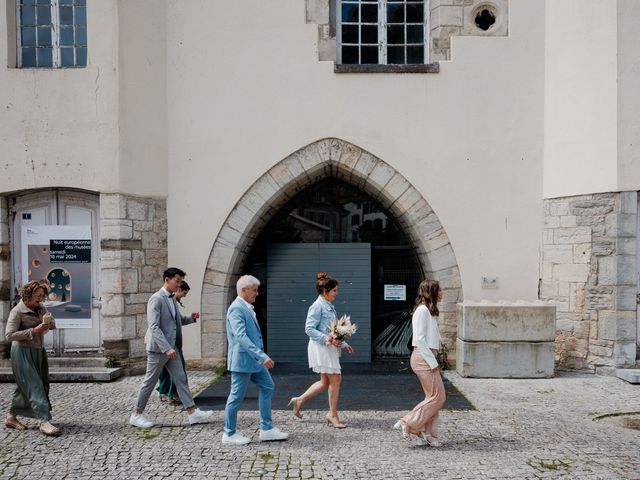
(380, 385)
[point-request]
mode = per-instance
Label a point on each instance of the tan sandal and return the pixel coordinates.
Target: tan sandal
(49, 430)
(12, 422)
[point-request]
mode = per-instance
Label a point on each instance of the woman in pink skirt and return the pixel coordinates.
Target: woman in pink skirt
(420, 423)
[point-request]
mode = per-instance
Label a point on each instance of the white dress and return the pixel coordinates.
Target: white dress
(323, 358)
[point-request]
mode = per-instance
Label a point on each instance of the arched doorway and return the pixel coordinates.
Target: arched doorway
(327, 158)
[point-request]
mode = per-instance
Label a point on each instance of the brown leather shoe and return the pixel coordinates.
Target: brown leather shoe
(49, 430)
(12, 422)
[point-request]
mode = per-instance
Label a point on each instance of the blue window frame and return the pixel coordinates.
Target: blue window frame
(52, 33)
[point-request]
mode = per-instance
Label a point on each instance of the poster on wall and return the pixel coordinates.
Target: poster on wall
(62, 255)
(395, 292)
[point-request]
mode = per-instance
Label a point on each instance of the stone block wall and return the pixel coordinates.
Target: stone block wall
(5, 274)
(447, 18)
(589, 272)
(133, 232)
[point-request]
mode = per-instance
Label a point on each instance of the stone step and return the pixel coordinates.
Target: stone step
(72, 374)
(67, 362)
(631, 375)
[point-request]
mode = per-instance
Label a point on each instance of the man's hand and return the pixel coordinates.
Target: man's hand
(171, 353)
(268, 363)
(195, 316)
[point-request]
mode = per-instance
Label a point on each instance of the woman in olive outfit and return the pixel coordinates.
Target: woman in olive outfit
(27, 324)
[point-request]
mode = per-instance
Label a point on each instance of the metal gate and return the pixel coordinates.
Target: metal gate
(291, 279)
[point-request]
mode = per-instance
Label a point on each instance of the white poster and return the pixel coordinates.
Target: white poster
(395, 292)
(62, 255)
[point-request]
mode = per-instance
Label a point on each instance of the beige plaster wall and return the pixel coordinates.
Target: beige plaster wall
(60, 126)
(628, 95)
(592, 68)
(100, 128)
(247, 92)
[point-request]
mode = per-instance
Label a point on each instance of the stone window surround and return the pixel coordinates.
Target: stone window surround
(448, 18)
(270, 192)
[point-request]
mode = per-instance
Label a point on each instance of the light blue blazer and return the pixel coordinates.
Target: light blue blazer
(244, 339)
(320, 314)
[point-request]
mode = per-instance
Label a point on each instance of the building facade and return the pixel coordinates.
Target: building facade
(490, 144)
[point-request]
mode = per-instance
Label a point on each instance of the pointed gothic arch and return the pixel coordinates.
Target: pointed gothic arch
(318, 160)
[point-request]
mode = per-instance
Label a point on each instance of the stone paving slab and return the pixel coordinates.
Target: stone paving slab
(545, 428)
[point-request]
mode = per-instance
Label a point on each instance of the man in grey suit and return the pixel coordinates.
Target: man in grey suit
(164, 333)
(247, 362)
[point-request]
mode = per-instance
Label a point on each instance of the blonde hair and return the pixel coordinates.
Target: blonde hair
(29, 289)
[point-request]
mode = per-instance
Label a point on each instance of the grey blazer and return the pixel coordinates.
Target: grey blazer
(163, 326)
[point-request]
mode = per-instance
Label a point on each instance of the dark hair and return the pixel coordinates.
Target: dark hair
(184, 286)
(172, 272)
(324, 283)
(428, 295)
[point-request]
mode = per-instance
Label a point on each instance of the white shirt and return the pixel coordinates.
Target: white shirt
(426, 334)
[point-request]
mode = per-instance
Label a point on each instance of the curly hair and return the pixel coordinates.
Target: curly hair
(428, 295)
(29, 289)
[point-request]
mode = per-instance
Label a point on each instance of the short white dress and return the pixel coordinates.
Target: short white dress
(323, 358)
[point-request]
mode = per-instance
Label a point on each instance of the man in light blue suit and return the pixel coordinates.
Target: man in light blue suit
(247, 361)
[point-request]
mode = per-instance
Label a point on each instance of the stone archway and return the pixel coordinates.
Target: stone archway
(318, 160)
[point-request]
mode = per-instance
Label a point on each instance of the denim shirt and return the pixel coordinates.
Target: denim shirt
(321, 312)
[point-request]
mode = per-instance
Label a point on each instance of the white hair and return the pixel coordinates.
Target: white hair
(246, 281)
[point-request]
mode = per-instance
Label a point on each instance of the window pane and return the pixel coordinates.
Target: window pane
(81, 15)
(80, 2)
(349, 55)
(45, 57)
(81, 57)
(415, 34)
(44, 2)
(415, 54)
(369, 54)
(350, 12)
(66, 36)
(28, 2)
(28, 36)
(369, 13)
(65, 2)
(28, 16)
(415, 13)
(395, 55)
(395, 34)
(369, 34)
(66, 15)
(44, 36)
(349, 34)
(66, 57)
(395, 13)
(44, 16)
(81, 36)
(28, 57)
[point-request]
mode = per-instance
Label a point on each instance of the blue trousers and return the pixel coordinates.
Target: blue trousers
(239, 382)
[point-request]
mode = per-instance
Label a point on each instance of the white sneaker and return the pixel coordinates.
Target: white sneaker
(140, 421)
(235, 439)
(199, 416)
(273, 434)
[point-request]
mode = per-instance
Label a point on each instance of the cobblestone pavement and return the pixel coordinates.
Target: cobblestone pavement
(521, 429)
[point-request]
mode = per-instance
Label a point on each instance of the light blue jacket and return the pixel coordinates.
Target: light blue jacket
(244, 339)
(320, 314)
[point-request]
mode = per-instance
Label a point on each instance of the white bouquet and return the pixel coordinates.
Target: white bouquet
(342, 329)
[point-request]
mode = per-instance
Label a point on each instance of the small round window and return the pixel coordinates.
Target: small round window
(485, 17)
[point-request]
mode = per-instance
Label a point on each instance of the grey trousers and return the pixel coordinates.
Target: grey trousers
(155, 364)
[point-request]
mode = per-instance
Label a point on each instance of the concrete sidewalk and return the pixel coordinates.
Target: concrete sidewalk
(544, 428)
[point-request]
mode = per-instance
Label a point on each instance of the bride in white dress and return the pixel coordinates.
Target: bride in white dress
(323, 350)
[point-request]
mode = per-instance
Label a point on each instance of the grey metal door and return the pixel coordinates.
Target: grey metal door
(291, 274)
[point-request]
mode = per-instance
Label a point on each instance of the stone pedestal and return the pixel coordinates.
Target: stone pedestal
(505, 340)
